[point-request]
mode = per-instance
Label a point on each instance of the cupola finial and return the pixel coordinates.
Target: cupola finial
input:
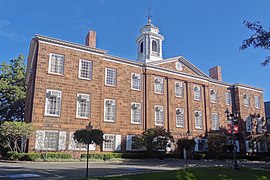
(149, 15)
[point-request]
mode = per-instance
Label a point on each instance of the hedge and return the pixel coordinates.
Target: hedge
(103, 156)
(56, 155)
(11, 155)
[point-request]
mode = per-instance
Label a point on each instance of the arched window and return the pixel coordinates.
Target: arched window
(141, 47)
(154, 46)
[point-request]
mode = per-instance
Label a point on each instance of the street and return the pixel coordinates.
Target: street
(75, 170)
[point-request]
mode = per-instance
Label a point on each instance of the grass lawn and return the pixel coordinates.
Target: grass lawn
(210, 173)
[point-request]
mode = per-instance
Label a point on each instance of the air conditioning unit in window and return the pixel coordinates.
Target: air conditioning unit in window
(135, 106)
(178, 84)
(54, 93)
(158, 108)
(197, 114)
(245, 96)
(178, 111)
(158, 80)
(136, 76)
(109, 103)
(212, 92)
(196, 88)
(83, 97)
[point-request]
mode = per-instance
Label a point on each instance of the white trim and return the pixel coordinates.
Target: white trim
(77, 49)
(158, 106)
(181, 88)
(77, 108)
(46, 103)
(132, 113)
(183, 113)
(50, 60)
(110, 60)
(239, 86)
(80, 64)
(177, 74)
(200, 115)
(103, 146)
(115, 77)
(131, 82)
(227, 86)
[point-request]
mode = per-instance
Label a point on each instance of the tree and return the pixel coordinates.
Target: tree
(89, 137)
(260, 38)
(12, 90)
(13, 134)
(154, 139)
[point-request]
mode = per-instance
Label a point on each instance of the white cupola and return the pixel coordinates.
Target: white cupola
(149, 43)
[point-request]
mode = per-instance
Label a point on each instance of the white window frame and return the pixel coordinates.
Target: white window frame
(257, 101)
(112, 139)
(198, 120)
(87, 98)
(179, 90)
(228, 98)
(246, 100)
(58, 95)
(106, 76)
(129, 142)
(75, 146)
(90, 71)
(214, 121)
(248, 124)
(105, 104)
(213, 96)
(197, 92)
(57, 140)
(135, 77)
(50, 64)
(158, 81)
(259, 125)
(160, 110)
(180, 117)
(136, 108)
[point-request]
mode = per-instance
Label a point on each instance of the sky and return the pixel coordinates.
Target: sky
(207, 33)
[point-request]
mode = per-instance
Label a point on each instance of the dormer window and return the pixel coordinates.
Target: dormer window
(141, 47)
(154, 46)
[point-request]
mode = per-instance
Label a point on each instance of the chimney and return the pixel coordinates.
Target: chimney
(215, 73)
(90, 39)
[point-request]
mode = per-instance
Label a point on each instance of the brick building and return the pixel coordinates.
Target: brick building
(70, 85)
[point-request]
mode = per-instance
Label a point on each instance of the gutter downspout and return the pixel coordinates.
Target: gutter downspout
(145, 97)
(168, 105)
(187, 104)
(205, 110)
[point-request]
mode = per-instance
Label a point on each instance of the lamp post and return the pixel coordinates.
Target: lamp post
(89, 128)
(232, 118)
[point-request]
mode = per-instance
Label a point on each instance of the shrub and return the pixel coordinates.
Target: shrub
(103, 156)
(56, 155)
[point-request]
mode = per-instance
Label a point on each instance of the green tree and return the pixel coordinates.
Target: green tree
(187, 144)
(14, 135)
(260, 39)
(154, 139)
(12, 90)
(91, 137)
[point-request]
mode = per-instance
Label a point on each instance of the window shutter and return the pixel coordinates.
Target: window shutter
(196, 147)
(62, 140)
(128, 142)
(237, 146)
(72, 143)
(40, 137)
(117, 142)
(248, 149)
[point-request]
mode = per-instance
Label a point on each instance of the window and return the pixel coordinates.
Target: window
(154, 46)
(228, 98)
(135, 81)
(159, 115)
(248, 124)
(85, 69)
(198, 120)
(158, 85)
(201, 145)
(246, 100)
(130, 145)
(259, 125)
(83, 105)
(56, 64)
(51, 140)
(215, 121)
(110, 75)
(111, 142)
(249, 146)
(53, 102)
(179, 117)
(141, 47)
(75, 145)
(108, 144)
(179, 90)
(262, 147)
(197, 92)
(109, 110)
(213, 96)
(257, 101)
(135, 113)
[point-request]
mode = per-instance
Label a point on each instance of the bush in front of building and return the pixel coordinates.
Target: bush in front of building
(102, 156)
(56, 155)
(12, 155)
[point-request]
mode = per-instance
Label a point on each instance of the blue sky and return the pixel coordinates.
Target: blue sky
(207, 33)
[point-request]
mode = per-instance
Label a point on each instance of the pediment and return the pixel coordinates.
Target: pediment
(179, 64)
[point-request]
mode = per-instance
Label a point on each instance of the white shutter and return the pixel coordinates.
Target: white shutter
(128, 142)
(92, 147)
(71, 143)
(117, 142)
(196, 147)
(62, 140)
(40, 137)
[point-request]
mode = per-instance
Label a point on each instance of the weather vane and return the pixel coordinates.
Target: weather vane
(149, 15)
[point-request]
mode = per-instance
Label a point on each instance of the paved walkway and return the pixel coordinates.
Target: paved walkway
(73, 170)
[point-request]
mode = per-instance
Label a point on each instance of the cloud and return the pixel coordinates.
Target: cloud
(5, 31)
